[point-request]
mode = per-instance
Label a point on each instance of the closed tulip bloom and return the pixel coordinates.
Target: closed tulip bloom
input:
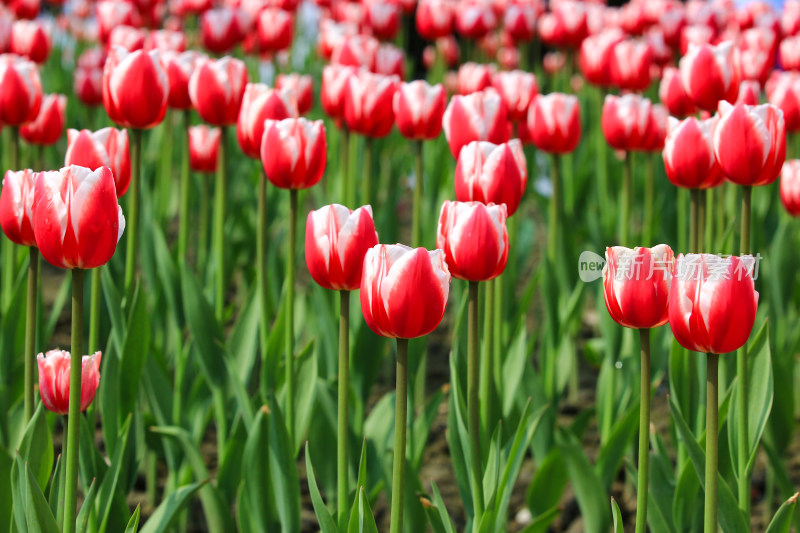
(223, 28)
(474, 77)
(167, 41)
(474, 238)
(180, 67)
(689, 159)
(595, 56)
(784, 93)
(383, 18)
(293, 152)
(712, 302)
(474, 18)
(492, 173)
(216, 89)
(404, 290)
(566, 26)
(517, 89)
(331, 34)
(21, 96)
(135, 88)
(625, 121)
(418, 109)
(54, 379)
(88, 84)
(757, 47)
(672, 22)
(259, 104)
(334, 82)
(111, 13)
(520, 18)
(204, 148)
(656, 129)
(630, 64)
(302, 86)
(389, 61)
(76, 218)
(636, 285)
(48, 126)
(24, 9)
(16, 206)
(790, 186)
(107, 147)
(711, 74)
(480, 116)
(356, 51)
(673, 95)
(749, 92)
(790, 17)
(275, 29)
(554, 122)
(337, 239)
(750, 143)
(368, 103)
(434, 18)
(128, 37)
(29, 38)
(789, 52)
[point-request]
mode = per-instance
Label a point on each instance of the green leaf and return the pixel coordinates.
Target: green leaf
(36, 448)
(134, 353)
(243, 341)
(108, 488)
(306, 378)
(30, 505)
(437, 514)
(165, 514)
(622, 432)
(86, 508)
(133, 523)
(513, 369)
(255, 484)
(361, 520)
(548, 484)
(782, 521)
(617, 516)
(326, 522)
(589, 490)
(543, 521)
(283, 471)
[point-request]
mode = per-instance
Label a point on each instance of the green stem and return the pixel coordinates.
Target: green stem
(609, 400)
(649, 200)
(220, 195)
(164, 182)
(487, 361)
(183, 225)
(73, 421)
(30, 333)
(416, 209)
(627, 190)
(221, 414)
(132, 221)
(644, 434)
(742, 377)
(555, 209)
(712, 443)
(346, 185)
(710, 220)
(94, 312)
(290, 268)
(473, 352)
(694, 220)
(498, 325)
(602, 153)
(400, 425)
(202, 224)
(701, 221)
(14, 150)
(344, 391)
(262, 236)
(366, 178)
(9, 255)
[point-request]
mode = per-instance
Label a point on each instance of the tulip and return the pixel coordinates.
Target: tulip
(217, 88)
(434, 18)
(750, 143)
(474, 238)
(710, 74)
(673, 95)
(383, 17)
(302, 85)
(749, 92)
(111, 14)
(626, 121)
(30, 38)
(127, 37)
(629, 65)
(757, 48)
(672, 22)
(24, 9)
(88, 84)
(508, 58)
(790, 186)
(492, 173)
(356, 51)
(389, 61)
(48, 126)
(789, 53)
(785, 95)
(16, 205)
(179, 67)
(368, 103)
(334, 82)
(293, 152)
(689, 159)
(54, 370)
(520, 19)
(223, 28)
(259, 104)
(167, 41)
(480, 116)
(21, 96)
(790, 17)
(331, 34)
(474, 18)
(566, 26)
(554, 62)
(275, 28)
(204, 148)
(474, 77)
(554, 122)
(135, 88)
(107, 147)
(595, 56)
(418, 109)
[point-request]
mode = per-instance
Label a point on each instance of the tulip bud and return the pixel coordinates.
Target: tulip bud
(517, 89)
(474, 77)
(712, 302)
(223, 28)
(275, 29)
(520, 20)
(54, 368)
(337, 239)
(790, 186)
(204, 148)
(135, 88)
(261, 103)
(554, 122)
(302, 86)
(625, 121)
(673, 95)
(21, 96)
(383, 17)
(492, 173)
(88, 84)
(710, 74)
(474, 238)
(434, 18)
(293, 152)
(595, 56)
(689, 159)
(48, 126)
(565, 26)
(474, 19)
(368, 102)
(107, 147)
(636, 285)
(179, 67)
(389, 61)
(76, 218)
(629, 65)
(784, 94)
(216, 89)
(404, 290)
(480, 116)
(29, 38)
(16, 206)
(334, 82)
(356, 51)
(418, 109)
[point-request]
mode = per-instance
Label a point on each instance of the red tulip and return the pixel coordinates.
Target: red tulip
(710, 74)
(135, 88)
(223, 28)
(566, 26)
(331, 34)
(554, 62)
(636, 285)
(404, 290)
(480, 116)
(492, 173)
(554, 122)
(790, 186)
(784, 93)
(368, 103)
(790, 17)
(474, 77)
(29, 38)
(418, 109)
(337, 239)
(389, 61)
(216, 89)
(293, 152)
(695, 35)
(76, 218)
(789, 53)
(54, 379)
(520, 19)
(275, 29)
(595, 56)
(474, 18)
(673, 95)
(749, 92)
(383, 18)
(25, 9)
(204, 148)
(111, 13)
(88, 84)
(629, 65)
(434, 18)
(689, 159)
(259, 104)
(21, 96)
(179, 67)
(16, 206)
(474, 238)
(48, 126)
(626, 121)
(662, 53)
(750, 143)
(167, 41)
(517, 89)
(334, 82)
(301, 86)
(712, 302)
(107, 147)
(127, 37)
(356, 51)
(757, 47)
(672, 22)
(656, 129)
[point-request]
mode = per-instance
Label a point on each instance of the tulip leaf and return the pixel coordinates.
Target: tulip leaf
(437, 514)
(549, 481)
(108, 487)
(589, 490)
(31, 511)
(86, 508)
(361, 519)
(283, 471)
(326, 522)
(36, 448)
(243, 341)
(162, 519)
(617, 516)
(305, 379)
(622, 432)
(541, 523)
(782, 521)
(134, 353)
(255, 484)
(422, 428)
(133, 523)
(55, 496)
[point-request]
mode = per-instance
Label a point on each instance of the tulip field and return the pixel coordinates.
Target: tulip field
(399, 266)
